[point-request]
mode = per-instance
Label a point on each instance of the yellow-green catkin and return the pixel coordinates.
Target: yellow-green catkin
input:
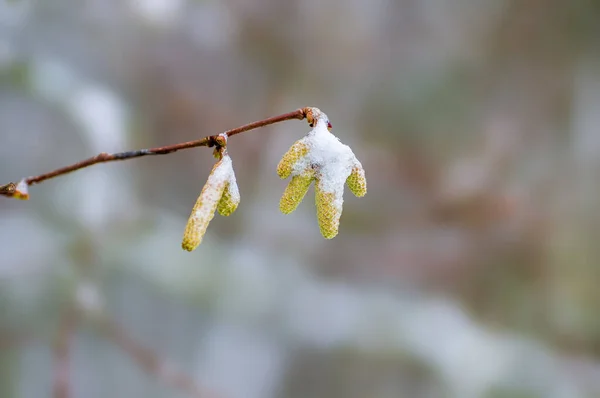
(295, 192)
(202, 212)
(357, 182)
(228, 203)
(328, 214)
(295, 153)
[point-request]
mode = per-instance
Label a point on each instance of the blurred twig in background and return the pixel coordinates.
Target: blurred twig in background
(62, 353)
(151, 363)
(144, 357)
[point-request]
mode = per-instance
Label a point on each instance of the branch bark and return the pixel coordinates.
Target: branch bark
(11, 189)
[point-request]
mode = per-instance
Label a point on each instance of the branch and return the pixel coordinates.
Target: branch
(20, 190)
(62, 354)
(151, 363)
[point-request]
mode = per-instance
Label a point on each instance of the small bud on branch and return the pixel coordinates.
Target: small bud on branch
(17, 191)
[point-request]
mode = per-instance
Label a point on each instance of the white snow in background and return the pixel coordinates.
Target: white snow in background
(161, 12)
(210, 24)
(102, 116)
(42, 243)
(53, 80)
(325, 317)
(248, 281)
(470, 358)
(14, 13)
(100, 113)
(93, 197)
(239, 362)
(101, 193)
(89, 297)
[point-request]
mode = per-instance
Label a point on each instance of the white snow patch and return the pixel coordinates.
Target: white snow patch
(160, 12)
(102, 116)
(221, 175)
(332, 160)
(234, 192)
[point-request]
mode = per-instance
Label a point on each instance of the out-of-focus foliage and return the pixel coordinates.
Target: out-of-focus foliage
(470, 269)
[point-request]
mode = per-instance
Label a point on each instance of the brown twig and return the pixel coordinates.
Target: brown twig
(62, 354)
(9, 190)
(151, 363)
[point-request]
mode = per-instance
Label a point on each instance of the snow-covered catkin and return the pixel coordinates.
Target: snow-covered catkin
(295, 153)
(321, 157)
(357, 182)
(328, 214)
(295, 192)
(204, 209)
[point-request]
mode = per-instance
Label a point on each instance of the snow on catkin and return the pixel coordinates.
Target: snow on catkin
(231, 197)
(220, 180)
(21, 190)
(320, 156)
(298, 151)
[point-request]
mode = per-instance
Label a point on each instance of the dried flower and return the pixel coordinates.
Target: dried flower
(321, 157)
(219, 193)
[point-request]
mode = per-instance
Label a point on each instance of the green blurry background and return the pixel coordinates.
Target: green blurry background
(470, 269)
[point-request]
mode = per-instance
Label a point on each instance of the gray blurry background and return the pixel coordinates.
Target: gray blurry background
(470, 269)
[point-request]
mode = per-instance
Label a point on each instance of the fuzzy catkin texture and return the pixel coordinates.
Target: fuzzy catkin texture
(295, 153)
(357, 182)
(204, 209)
(295, 192)
(329, 212)
(230, 199)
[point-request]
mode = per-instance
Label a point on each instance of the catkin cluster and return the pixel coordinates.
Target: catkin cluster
(322, 158)
(319, 157)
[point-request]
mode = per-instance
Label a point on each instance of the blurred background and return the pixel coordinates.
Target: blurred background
(470, 269)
